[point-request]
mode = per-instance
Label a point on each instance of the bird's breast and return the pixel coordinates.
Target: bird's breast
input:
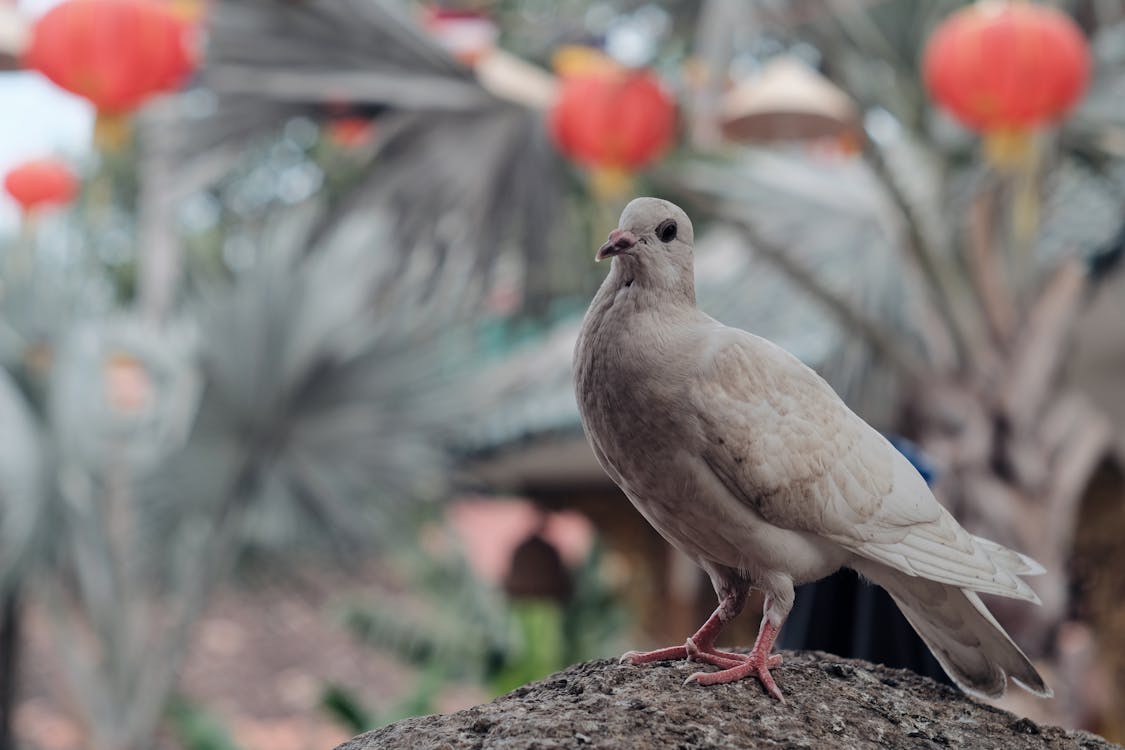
(627, 391)
(632, 398)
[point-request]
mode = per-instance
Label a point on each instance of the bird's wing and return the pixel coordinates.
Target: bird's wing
(781, 440)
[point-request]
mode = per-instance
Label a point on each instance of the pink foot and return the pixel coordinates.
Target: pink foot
(750, 666)
(672, 653)
(723, 659)
(691, 652)
(732, 667)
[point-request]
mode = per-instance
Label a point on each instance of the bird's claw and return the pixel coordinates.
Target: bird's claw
(732, 666)
(722, 659)
(711, 655)
(749, 666)
(646, 657)
(692, 652)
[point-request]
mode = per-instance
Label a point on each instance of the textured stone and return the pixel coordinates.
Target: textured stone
(831, 702)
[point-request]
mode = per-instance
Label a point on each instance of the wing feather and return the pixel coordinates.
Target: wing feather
(782, 441)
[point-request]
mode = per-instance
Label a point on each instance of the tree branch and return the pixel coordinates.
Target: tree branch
(1040, 347)
(923, 254)
(998, 305)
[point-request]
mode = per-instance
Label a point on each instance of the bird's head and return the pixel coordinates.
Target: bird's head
(652, 245)
(650, 230)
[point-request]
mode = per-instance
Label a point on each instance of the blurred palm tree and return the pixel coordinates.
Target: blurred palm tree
(462, 177)
(283, 412)
(286, 388)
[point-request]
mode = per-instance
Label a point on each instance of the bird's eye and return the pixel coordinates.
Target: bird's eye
(666, 230)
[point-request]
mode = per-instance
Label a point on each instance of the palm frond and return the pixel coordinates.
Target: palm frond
(321, 408)
(873, 50)
(457, 173)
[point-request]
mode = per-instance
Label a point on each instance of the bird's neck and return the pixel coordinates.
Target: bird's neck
(645, 286)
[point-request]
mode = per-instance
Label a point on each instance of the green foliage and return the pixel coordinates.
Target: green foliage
(593, 618)
(196, 729)
(346, 709)
(538, 625)
(448, 620)
(464, 630)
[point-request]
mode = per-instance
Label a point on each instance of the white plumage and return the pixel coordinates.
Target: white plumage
(748, 462)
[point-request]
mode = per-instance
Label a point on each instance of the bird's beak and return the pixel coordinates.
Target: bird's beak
(619, 241)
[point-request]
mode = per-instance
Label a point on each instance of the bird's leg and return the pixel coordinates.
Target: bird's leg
(758, 662)
(701, 645)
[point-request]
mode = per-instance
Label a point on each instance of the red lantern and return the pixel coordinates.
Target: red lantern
(351, 132)
(1004, 68)
(116, 53)
(39, 183)
(620, 121)
(467, 35)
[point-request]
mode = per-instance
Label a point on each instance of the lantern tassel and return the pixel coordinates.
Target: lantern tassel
(112, 132)
(1008, 150)
(610, 183)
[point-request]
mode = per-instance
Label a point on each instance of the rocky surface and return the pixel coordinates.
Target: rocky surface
(831, 703)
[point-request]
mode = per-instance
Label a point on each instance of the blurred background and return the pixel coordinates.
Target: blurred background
(289, 289)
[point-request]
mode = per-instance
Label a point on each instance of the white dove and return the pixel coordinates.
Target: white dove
(748, 462)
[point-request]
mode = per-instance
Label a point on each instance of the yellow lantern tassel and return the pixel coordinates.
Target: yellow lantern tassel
(609, 183)
(112, 132)
(1026, 201)
(190, 11)
(1008, 150)
(1016, 154)
(579, 60)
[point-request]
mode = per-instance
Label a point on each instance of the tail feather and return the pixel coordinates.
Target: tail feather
(1009, 559)
(962, 634)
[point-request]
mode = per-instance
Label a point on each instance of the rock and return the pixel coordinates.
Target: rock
(831, 702)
